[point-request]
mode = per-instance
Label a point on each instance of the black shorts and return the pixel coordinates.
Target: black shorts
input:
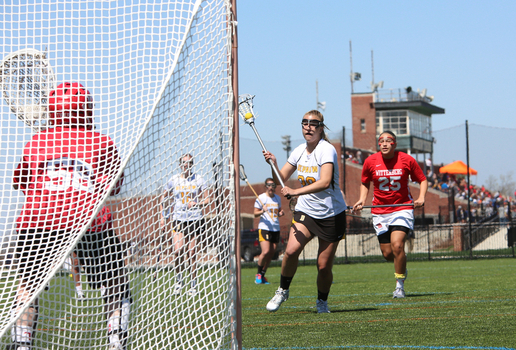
(386, 237)
(331, 229)
(269, 236)
(189, 228)
(102, 257)
(34, 251)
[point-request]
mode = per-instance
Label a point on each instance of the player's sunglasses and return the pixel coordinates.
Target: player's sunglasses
(270, 185)
(312, 122)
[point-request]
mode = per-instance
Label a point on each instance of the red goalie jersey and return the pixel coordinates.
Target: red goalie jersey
(63, 173)
(67, 169)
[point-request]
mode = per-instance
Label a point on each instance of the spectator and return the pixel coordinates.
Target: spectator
(474, 215)
(359, 157)
(461, 214)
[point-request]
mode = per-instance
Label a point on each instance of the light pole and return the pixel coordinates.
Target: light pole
(286, 143)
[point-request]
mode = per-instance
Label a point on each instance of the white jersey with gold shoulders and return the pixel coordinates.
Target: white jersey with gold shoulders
(184, 190)
(328, 202)
(269, 220)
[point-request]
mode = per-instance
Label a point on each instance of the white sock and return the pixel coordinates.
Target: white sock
(399, 283)
(114, 340)
(78, 290)
(179, 278)
(21, 334)
(114, 322)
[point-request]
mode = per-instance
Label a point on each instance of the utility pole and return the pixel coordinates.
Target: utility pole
(354, 76)
(320, 105)
(286, 143)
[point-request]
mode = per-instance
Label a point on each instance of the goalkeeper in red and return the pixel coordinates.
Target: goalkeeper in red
(389, 170)
(65, 172)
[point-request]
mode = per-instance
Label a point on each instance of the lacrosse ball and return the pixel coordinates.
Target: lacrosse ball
(248, 115)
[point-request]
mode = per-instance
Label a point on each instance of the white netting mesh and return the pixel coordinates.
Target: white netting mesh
(159, 73)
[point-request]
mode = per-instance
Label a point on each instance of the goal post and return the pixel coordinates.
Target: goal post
(119, 221)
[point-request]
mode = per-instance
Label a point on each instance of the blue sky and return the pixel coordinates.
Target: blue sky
(462, 52)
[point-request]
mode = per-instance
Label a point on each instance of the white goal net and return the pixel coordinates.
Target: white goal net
(118, 211)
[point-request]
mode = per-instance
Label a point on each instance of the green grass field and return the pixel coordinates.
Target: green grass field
(159, 319)
(450, 304)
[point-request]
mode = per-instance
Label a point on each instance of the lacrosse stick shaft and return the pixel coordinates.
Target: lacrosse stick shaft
(385, 206)
(257, 197)
(276, 171)
(252, 189)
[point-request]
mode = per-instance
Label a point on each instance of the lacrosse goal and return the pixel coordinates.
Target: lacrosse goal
(160, 77)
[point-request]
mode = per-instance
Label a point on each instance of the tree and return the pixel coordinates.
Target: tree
(505, 184)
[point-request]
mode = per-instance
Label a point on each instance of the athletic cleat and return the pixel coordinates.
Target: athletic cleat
(398, 293)
(276, 301)
(258, 279)
(18, 345)
(80, 297)
(177, 289)
(264, 280)
(322, 306)
(192, 291)
(116, 347)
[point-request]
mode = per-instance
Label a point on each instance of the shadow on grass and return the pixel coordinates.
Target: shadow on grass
(416, 295)
(333, 311)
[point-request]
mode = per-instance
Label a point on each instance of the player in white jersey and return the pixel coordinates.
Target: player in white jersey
(268, 207)
(189, 196)
(320, 208)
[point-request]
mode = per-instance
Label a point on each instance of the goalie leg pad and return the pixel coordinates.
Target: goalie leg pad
(126, 312)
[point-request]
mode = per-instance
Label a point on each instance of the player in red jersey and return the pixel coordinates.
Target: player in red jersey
(389, 170)
(65, 172)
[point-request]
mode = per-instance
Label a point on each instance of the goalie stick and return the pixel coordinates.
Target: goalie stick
(26, 77)
(245, 110)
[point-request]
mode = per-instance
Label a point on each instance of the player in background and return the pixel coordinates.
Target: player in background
(389, 170)
(268, 207)
(320, 208)
(76, 275)
(64, 172)
(189, 193)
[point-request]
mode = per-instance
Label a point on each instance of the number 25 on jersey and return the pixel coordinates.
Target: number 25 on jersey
(391, 183)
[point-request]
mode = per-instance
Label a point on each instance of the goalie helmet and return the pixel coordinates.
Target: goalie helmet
(70, 103)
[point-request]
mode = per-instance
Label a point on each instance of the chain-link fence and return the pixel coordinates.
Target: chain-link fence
(486, 238)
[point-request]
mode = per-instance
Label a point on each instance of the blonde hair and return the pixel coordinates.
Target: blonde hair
(319, 115)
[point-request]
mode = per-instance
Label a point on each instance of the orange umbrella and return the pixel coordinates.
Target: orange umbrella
(457, 167)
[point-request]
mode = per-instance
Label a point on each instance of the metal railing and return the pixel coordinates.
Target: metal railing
(400, 95)
(437, 241)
